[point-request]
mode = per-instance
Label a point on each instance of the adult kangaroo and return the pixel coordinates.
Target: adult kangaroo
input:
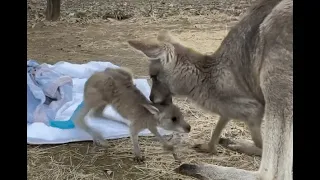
(248, 78)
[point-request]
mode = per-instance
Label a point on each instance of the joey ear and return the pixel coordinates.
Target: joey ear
(153, 110)
(151, 48)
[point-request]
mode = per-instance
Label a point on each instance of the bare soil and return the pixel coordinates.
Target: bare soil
(98, 30)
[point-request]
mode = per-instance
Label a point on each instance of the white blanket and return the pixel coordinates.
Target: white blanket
(41, 133)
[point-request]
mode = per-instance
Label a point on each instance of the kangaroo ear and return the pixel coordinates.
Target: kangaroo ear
(153, 110)
(151, 48)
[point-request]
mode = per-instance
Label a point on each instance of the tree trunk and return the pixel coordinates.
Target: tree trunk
(53, 10)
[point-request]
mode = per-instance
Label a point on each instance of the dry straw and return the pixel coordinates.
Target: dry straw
(86, 161)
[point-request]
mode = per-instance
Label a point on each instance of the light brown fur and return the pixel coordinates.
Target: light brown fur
(115, 87)
(249, 78)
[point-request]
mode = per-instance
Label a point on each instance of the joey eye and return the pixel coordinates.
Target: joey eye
(173, 119)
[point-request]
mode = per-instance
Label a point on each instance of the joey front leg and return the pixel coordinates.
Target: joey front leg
(80, 122)
(135, 141)
(92, 101)
(166, 145)
(164, 142)
(211, 147)
(97, 136)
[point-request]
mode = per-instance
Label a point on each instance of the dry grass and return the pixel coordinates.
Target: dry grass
(86, 161)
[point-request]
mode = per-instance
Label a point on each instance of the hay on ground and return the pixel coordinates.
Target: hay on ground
(85, 161)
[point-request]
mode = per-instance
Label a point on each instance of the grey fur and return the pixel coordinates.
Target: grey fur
(115, 87)
(248, 78)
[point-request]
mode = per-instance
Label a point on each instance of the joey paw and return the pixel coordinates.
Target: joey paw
(139, 159)
(168, 147)
(100, 143)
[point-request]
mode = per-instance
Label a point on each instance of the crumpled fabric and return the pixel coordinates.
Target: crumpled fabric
(47, 92)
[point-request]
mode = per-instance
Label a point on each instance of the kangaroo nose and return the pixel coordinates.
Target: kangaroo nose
(151, 97)
(188, 128)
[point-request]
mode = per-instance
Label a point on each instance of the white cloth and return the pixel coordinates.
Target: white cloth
(41, 133)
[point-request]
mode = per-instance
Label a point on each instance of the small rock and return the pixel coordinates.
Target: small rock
(71, 14)
(111, 20)
(81, 14)
(38, 25)
(108, 171)
(73, 20)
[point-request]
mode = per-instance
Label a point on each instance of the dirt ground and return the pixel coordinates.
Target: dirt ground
(98, 30)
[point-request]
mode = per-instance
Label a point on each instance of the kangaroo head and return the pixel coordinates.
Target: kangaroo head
(170, 66)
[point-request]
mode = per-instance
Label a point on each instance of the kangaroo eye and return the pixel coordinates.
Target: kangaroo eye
(174, 119)
(163, 104)
(153, 77)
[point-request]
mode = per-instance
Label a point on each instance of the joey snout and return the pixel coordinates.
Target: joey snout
(184, 129)
(187, 128)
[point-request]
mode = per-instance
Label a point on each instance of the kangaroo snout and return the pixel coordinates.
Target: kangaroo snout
(151, 97)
